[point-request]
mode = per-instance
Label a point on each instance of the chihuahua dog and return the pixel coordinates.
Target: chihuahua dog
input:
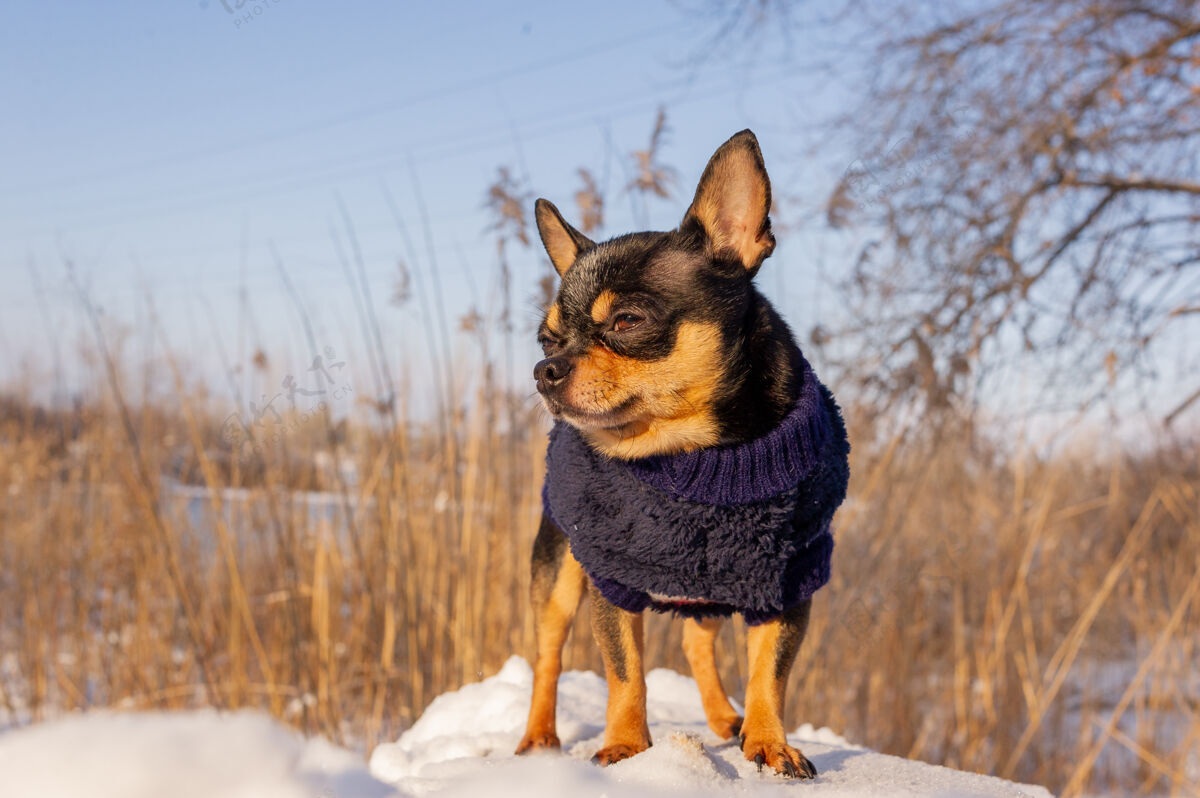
(689, 430)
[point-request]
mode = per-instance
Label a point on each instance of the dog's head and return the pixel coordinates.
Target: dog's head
(645, 336)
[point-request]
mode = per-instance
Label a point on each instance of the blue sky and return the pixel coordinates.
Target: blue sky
(164, 148)
(167, 150)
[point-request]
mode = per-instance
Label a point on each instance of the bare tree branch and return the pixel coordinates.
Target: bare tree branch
(1033, 170)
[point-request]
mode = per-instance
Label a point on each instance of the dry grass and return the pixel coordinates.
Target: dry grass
(1032, 618)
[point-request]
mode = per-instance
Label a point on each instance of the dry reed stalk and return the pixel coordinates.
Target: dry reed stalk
(1147, 756)
(994, 585)
(244, 615)
(1076, 782)
(1064, 656)
(320, 622)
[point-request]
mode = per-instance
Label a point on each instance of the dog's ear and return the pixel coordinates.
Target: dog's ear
(562, 241)
(733, 200)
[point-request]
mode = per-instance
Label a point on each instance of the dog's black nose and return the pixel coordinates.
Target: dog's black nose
(551, 371)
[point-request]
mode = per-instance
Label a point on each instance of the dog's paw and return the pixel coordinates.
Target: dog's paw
(615, 753)
(726, 727)
(545, 741)
(780, 757)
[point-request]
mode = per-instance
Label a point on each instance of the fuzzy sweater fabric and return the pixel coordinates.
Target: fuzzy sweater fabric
(727, 529)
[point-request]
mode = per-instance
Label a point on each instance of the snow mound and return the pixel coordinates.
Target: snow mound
(199, 754)
(462, 746)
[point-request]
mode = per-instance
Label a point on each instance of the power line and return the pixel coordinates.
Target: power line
(434, 150)
(351, 116)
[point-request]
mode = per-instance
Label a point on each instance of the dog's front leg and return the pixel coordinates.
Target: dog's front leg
(556, 589)
(772, 649)
(620, 637)
(699, 639)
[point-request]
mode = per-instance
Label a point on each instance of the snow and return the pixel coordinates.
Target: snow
(461, 746)
(198, 754)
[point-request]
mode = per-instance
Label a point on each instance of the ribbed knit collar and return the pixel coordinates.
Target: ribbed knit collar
(748, 472)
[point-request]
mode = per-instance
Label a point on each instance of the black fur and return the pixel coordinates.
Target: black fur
(606, 628)
(700, 272)
(668, 278)
(794, 623)
(548, 549)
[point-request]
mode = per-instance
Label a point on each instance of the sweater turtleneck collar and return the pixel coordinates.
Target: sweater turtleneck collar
(753, 471)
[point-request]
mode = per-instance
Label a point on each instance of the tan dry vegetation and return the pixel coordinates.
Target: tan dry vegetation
(1036, 618)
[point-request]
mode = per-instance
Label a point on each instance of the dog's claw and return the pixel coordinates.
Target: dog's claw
(615, 753)
(538, 742)
(785, 760)
(736, 731)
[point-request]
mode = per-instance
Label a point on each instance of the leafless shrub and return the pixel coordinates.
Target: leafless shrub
(1032, 172)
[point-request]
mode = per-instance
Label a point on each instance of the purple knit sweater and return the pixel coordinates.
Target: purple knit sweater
(727, 529)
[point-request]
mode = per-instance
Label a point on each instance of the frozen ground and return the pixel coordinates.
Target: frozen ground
(461, 746)
(177, 755)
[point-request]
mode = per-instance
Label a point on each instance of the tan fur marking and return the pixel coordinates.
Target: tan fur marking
(675, 395)
(762, 731)
(731, 205)
(553, 622)
(554, 319)
(626, 731)
(603, 305)
(560, 246)
(699, 640)
(764, 693)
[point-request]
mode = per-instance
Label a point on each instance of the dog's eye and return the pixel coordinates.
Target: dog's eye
(626, 321)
